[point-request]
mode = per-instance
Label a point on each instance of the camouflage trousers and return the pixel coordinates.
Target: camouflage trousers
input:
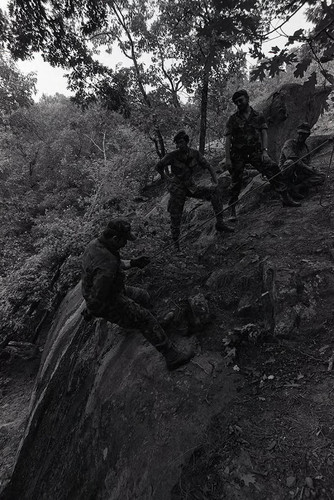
(178, 196)
(297, 175)
(130, 310)
(267, 167)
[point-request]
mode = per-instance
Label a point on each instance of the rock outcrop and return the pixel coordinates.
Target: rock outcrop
(286, 108)
(107, 420)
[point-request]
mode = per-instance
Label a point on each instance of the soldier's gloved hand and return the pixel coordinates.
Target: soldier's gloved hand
(264, 156)
(140, 261)
(228, 165)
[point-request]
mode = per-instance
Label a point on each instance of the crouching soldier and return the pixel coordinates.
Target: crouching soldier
(295, 164)
(107, 296)
(247, 142)
(181, 184)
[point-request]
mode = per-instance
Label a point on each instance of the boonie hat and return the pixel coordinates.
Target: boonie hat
(120, 227)
(240, 93)
(304, 128)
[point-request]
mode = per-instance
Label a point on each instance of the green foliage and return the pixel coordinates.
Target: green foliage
(61, 28)
(64, 173)
(185, 39)
(65, 169)
(16, 89)
(320, 42)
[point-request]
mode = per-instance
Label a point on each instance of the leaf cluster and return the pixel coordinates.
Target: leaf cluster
(65, 171)
(16, 89)
(320, 44)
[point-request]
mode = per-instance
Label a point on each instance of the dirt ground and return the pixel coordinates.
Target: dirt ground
(275, 441)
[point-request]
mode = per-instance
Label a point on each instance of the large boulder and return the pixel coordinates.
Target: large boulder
(287, 107)
(107, 420)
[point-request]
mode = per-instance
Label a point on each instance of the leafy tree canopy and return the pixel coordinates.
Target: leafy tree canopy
(16, 89)
(188, 42)
(319, 43)
(61, 32)
(64, 32)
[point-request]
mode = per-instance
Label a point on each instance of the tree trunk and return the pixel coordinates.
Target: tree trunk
(204, 109)
(159, 143)
(162, 150)
(204, 99)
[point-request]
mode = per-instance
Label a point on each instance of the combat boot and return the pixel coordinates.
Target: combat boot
(222, 227)
(295, 193)
(233, 213)
(175, 359)
(288, 201)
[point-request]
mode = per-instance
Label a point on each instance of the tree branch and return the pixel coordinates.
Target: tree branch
(284, 22)
(318, 61)
(118, 13)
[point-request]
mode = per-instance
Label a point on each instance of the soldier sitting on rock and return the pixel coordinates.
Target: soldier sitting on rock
(295, 164)
(107, 296)
(246, 142)
(183, 162)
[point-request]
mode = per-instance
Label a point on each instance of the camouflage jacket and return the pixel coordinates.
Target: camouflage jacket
(183, 167)
(292, 150)
(102, 277)
(245, 133)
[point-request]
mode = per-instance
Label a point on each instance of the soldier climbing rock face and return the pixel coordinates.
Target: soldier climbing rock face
(247, 142)
(295, 163)
(181, 184)
(107, 296)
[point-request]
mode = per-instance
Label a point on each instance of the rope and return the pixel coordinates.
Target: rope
(326, 178)
(198, 226)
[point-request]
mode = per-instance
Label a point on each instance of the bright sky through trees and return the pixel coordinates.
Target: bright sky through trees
(51, 80)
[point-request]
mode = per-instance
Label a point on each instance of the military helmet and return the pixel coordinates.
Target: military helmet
(119, 227)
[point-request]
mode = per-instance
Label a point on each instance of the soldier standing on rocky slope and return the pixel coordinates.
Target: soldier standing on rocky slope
(106, 296)
(295, 163)
(181, 184)
(246, 142)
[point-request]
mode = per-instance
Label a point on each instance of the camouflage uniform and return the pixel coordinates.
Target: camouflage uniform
(298, 174)
(246, 148)
(182, 185)
(107, 296)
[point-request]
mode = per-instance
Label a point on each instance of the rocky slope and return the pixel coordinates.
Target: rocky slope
(249, 417)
